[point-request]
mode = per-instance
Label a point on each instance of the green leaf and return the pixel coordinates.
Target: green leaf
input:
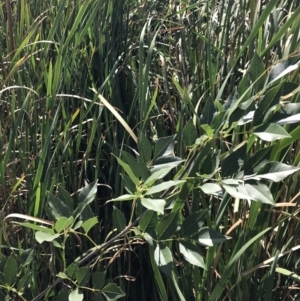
(233, 163)
(58, 207)
(65, 197)
(209, 237)
(125, 197)
(189, 133)
(157, 205)
(62, 275)
(89, 224)
(129, 171)
(72, 270)
(276, 171)
(193, 223)
(129, 185)
(257, 72)
(212, 188)
(282, 69)
(63, 223)
(143, 169)
(26, 257)
(208, 111)
(210, 164)
(259, 192)
(76, 295)
(164, 147)
(112, 292)
(259, 157)
(37, 228)
(132, 162)
(88, 193)
(236, 189)
(288, 273)
(10, 270)
(282, 116)
(271, 132)
(144, 148)
(163, 186)
(83, 276)
(118, 219)
(23, 282)
(148, 221)
(42, 236)
(164, 259)
(63, 294)
(269, 101)
(98, 279)
(191, 254)
(158, 173)
(167, 226)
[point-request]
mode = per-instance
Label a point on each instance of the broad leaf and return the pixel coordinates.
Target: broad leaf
(164, 147)
(259, 192)
(125, 197)
(236, 190)
(191, 254)
(271, 132)
(83, 276)
(63, 223)
(281, 69)
(209, 237)
(129, 185)
(129, 171)
(257, 72)
(23, 282)
(89, 224)
(112, 292)
(10, 270)
(148, 221)
(210, 164)
(88, 193)
(163, 186)
(144, 147)
(232, 164)
(66, 198)
(212, 188)
(158, 173)
(167, 226)
(42, 236)
(276, 171)
(98, 279)
(208, 111)
(164, 259)
(76, 295)
(119, 220)
(269, 101)
(193, 223)
(288, 111)
(72, 270)
(58, 208)
(27, 256)
(62, 275)
(259, 157)
(189, 133)
(157, 205)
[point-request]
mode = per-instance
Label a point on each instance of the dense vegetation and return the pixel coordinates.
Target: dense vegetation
(149, 150)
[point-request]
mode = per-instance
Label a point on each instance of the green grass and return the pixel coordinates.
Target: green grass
(164, 68)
